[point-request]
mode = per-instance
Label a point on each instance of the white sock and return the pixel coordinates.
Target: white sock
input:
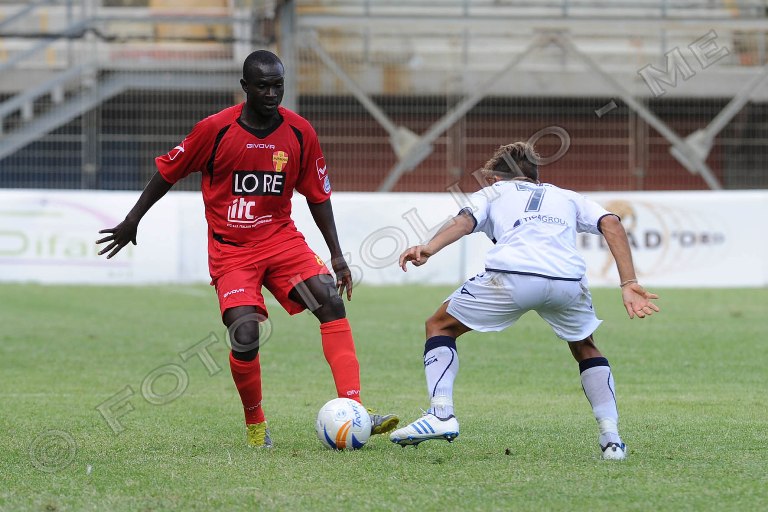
(441, 364)
(598, 385)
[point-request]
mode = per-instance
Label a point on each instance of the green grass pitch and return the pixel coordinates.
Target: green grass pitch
(691, 385)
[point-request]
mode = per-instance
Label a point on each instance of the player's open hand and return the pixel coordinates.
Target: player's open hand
(119, 236)
(343, 277)
(418, 255)
(637, 301)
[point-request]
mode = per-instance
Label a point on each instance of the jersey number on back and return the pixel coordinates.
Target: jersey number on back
(536, 198)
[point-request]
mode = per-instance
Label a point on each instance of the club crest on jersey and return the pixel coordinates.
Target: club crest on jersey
(257, 183)
(279, 159)
(321, 167)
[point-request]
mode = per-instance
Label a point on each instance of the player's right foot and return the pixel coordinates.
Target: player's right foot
(257, 435)
(614, 451)
(427, 427)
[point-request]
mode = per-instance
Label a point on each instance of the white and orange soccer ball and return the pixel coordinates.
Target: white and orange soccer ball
(343, 424)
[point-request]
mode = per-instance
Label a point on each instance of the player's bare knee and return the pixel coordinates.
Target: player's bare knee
(336, 305)
(244, 338)
(331, 309)
(318, 294)
(440, 324)
(584, 349)
(431, 324)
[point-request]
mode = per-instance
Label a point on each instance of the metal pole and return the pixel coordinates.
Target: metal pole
(31, 6)
(736, 104)
(357, 92)
(422, 148)
(286, 15)
(469, 102)
(75, 28)
(680, 148)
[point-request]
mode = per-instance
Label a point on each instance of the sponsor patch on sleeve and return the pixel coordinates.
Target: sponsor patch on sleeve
(321, 167)
(175, 152)
(327, 185)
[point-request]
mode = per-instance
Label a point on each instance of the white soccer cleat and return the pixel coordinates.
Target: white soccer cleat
(427, 427)
(614, 451)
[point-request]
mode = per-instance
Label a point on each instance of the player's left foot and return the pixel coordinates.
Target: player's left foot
(426, 428)
(257, 435)
(614, 451)
(382, 423)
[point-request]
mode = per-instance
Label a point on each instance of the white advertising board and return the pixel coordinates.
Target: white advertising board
(687, 239)
(49, 237)
(681, 239)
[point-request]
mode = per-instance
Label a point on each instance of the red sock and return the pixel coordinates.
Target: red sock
(247, 377)
(339, 351)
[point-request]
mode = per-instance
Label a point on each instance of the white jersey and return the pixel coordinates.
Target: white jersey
(534, 228)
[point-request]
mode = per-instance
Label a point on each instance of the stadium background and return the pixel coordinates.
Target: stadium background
(92, 90)
(657, 108)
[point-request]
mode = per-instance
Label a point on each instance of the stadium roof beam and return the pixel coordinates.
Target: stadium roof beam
(23, 12)
(690, 152)
(452, 116)
(701, 140)
(684, 152)
(503, 25)
(409, 147)
(102, 90)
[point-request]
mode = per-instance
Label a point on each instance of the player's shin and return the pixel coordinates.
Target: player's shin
(247, 377)
(598, 385)
(339, 351)
(441, 365)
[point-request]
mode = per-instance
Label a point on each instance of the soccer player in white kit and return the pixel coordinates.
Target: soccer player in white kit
(534, 265)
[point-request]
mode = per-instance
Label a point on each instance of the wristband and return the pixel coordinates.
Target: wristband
(628, 281)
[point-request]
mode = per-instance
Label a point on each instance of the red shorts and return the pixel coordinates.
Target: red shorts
(279, 273)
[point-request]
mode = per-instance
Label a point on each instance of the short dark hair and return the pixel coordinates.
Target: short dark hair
(260, 58)
(516, 160)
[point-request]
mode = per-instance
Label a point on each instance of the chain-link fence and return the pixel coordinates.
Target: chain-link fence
(405, 96)
(618, 151)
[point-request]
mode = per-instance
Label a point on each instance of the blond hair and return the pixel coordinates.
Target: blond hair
(516, 160)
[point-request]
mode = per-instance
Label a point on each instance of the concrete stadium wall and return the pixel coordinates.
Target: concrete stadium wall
(680, 239)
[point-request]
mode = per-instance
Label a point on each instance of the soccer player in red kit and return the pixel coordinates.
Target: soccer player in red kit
(251, 157)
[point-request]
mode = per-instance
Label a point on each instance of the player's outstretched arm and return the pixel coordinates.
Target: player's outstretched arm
(119, 236)
(637, 301)
(454, 229)
(322, 213)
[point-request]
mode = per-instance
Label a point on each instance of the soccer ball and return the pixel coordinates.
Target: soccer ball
(343, 424)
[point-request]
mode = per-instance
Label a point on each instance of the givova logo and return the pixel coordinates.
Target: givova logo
(232, 292)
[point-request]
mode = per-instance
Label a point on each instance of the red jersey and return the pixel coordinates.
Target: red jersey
(248, 178)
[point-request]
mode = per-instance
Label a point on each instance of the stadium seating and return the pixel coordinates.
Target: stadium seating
(60, 61)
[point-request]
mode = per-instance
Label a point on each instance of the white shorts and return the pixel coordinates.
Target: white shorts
(493, 301)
